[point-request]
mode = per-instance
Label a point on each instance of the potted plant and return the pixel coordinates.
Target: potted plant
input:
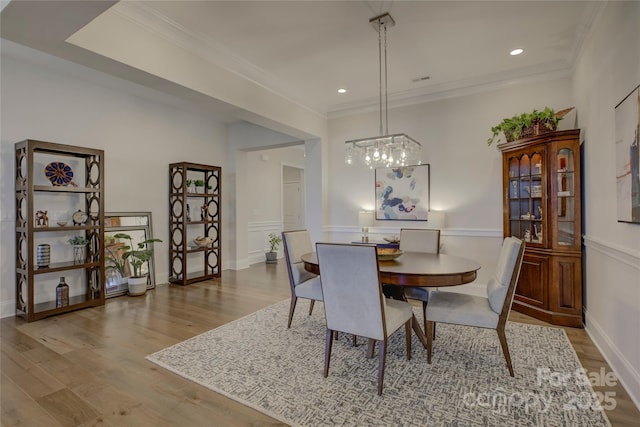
(137, 257)
(190, 186)
(528, 124)
(116, 273)
(199, 183)
(274, 242)
(79, 244)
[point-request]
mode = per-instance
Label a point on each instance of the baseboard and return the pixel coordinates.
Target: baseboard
(7, 309)
(239, 264)
(628, 376)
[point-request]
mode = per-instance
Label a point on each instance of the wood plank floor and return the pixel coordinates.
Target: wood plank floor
(87, 368)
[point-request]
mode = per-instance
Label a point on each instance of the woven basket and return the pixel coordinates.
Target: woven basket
(540, 127)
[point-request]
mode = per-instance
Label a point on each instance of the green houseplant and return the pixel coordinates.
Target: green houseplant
(137, 255)
(79, 244)
(528, 124)
(274, 243)
(199, 183)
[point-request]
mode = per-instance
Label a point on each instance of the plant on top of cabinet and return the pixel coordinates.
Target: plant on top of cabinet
(528, 124)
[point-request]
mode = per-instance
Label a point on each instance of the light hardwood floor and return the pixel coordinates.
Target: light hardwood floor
(87, 368)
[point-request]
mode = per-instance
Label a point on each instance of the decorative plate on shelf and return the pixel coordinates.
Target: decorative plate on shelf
(79, 217)
(387, 254)
(59, 174)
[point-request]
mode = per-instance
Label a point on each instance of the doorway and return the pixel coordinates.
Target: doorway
(292, 198)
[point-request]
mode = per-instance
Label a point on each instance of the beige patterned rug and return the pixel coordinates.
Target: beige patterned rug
(258, 362)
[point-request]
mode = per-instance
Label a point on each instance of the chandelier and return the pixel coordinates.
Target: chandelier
(385, 150)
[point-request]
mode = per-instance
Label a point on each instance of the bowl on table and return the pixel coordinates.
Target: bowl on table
(388, 254)
(392, 239)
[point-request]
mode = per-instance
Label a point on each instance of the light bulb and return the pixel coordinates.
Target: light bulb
(376, 155)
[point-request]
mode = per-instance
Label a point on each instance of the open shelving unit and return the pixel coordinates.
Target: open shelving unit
(35, 285)
(189, 262)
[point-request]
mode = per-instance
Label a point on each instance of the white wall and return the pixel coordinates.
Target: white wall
(466, 174)
(52, 100)
(264, 196)
(607, 70)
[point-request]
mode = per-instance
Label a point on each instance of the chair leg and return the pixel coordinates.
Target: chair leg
(407, 334)
(327, 352)
(354, 340)
(424, 319)
(382, 358)
(505, 349)
(292, 307)
(311, 307)
(429, 330)
(370, 347)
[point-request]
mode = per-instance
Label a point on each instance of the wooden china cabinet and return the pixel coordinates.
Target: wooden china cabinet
(542, 206)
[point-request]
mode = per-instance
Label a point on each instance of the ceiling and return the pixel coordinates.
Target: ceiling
(306, 50)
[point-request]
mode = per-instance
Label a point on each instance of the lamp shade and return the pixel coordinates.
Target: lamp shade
(365, 218)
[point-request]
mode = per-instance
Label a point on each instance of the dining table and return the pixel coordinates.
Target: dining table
(416, 269)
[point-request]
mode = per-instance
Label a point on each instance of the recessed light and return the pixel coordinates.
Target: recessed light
(342, 90)
(515, 52)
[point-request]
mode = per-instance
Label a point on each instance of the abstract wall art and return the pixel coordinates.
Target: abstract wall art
(402, 193)
(628, 157)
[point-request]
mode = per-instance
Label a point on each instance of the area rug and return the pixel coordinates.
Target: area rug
(258, 362)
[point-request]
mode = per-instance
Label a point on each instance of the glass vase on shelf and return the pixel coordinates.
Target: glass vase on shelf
(62, 294)
(79, 254)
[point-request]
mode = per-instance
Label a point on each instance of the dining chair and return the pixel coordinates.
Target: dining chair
(354, 303)
(491, 311)
(424, 241)
(303, 284)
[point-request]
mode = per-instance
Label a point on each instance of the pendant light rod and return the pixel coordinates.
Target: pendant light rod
(385, 150)
(380, 23)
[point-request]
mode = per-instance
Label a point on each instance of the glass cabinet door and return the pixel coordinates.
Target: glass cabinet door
(566, 192)
(526, 197)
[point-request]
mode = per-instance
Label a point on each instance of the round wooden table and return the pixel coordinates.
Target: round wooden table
(417, 269)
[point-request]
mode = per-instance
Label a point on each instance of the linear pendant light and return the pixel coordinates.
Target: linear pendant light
(386, 150)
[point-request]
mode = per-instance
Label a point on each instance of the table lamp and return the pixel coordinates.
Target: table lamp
(365, 220)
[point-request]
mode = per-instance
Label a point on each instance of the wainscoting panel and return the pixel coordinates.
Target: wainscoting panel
(612, 308)
(258, 233)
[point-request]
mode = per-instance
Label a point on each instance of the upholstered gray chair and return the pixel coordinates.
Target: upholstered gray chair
(303, 284)
(425, 241)
(491, 311)
(354, 303)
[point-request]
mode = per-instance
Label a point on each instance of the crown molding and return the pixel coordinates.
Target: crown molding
(210, 50)
(551, 71)
(216, 53)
